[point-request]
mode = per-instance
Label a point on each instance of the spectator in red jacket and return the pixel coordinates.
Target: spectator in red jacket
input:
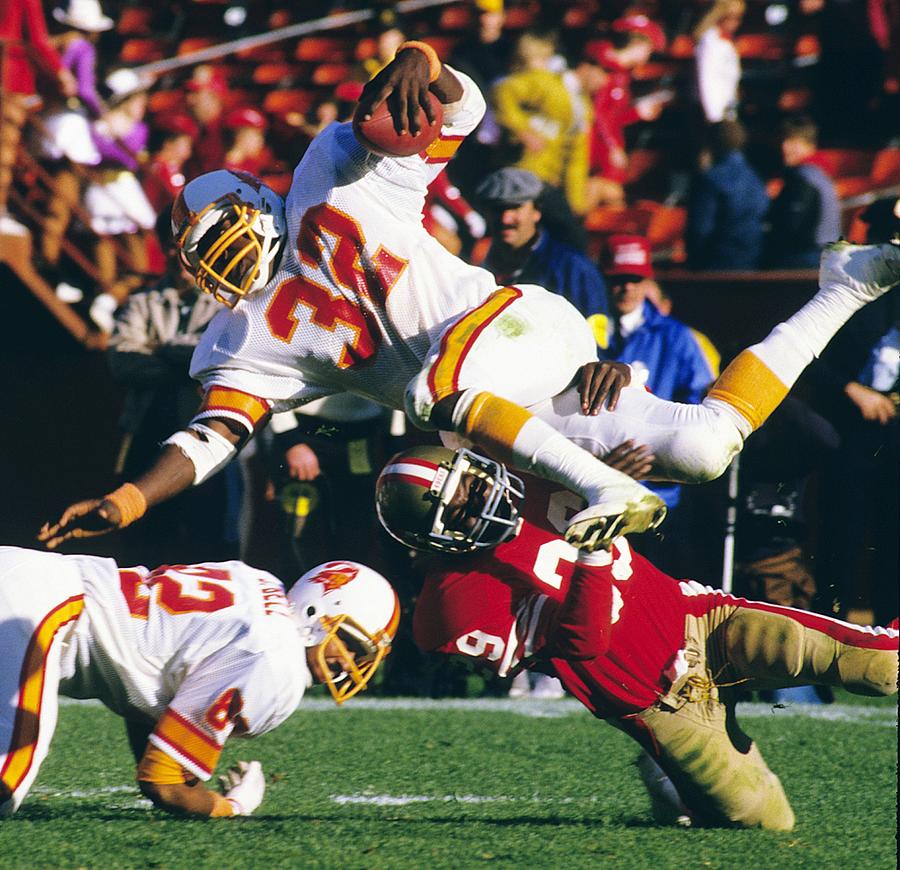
(171, 143)
(23, 37)
(205, 100)
(633, 39)
(245, 141)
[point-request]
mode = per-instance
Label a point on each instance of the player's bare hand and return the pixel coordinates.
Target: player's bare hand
(244, 786)
(632, 459)
(601, 382)
(84, 519)
(404, 84)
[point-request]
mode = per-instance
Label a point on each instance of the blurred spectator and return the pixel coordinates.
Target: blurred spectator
(329, 454)
(245, 141)
(484, 53)
(718, 65)
(727, 205)
(23, 40)
(67, 131)
(115, 200)
(806, 214)
(150, 348)
(170, 145)
(77, 47)
(522, 251)
(858, 388)
(535, 110)
(674, 362)
(206, 90)
(389, 36)
(632, 41)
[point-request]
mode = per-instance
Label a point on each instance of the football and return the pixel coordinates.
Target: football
(379, 136)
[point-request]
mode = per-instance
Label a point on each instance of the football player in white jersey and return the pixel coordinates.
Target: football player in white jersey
(342, 289)
(186, 654)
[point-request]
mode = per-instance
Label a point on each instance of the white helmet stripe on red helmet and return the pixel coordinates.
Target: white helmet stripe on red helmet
(413, 471)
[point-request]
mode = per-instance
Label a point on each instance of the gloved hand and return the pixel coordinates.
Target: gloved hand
(244, 787)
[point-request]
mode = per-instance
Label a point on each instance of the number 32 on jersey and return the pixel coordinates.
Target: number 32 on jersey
(340, 284)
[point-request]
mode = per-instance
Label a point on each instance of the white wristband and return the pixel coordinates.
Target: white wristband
(208, 453)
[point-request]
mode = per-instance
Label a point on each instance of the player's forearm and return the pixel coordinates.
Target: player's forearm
(171, 474)
(582, 625)
(183, 799)
(447, 87)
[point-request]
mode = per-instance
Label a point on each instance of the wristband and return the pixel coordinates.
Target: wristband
(434, 62)
(130, 503)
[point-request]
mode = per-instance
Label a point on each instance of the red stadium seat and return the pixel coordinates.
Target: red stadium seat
(456, 17)
(443, 45)
(847, 162)
(521, 16)
(681, 47)
(807, 45)
(323, 49)
(276, 73)
(135, 21)
(195, 43)
(162, 102)
(263, 54)
(761, 46)
(328, 74)
(886, 167)
(365, 48)
(141, 50)
(291, 100)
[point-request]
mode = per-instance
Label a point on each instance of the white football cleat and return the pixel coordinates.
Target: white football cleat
(864, 271)
(598, 525)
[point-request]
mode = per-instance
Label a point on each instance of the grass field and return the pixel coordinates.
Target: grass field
(457, 784)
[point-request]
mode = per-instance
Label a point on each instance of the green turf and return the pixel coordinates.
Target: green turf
(482, 787)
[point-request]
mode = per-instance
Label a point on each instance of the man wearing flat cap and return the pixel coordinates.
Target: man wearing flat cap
(525, 252)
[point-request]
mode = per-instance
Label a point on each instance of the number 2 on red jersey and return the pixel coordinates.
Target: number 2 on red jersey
(347, 264)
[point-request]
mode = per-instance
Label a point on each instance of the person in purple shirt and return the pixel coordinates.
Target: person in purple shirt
(77, 47)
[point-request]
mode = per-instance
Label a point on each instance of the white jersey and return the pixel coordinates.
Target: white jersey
(362, 291)
(201, 650)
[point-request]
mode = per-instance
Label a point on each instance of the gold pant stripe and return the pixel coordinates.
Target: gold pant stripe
(31, 692)
(750, 387)
(222, 398)
(443, 379)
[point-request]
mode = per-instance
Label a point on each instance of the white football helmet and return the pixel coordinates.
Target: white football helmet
(229, 229)
(415, 500)
(353, 605)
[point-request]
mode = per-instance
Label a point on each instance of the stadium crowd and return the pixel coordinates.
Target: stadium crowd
(622, 141)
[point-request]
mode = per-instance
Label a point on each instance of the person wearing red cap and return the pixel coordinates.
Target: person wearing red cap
(675, 361)
(245, 141)
(633, 39)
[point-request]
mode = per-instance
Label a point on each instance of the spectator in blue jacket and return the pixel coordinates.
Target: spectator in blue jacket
(524, 252)
(672, 360)
(727, 205)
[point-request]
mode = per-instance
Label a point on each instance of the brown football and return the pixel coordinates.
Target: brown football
(379, 136)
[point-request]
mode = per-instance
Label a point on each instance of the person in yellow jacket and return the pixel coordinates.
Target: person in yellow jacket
(537, 113)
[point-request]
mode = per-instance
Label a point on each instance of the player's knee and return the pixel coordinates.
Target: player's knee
(702, 452)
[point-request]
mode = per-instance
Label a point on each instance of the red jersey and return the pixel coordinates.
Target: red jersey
(612, 632)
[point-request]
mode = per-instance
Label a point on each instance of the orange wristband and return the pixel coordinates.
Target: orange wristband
(130, 502)
(434, 62)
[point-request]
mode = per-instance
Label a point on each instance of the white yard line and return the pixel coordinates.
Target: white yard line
(555, 709)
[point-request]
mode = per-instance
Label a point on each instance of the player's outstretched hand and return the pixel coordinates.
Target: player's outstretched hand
(404, 84)
(244, 786)
(84, 519)
(601, 382)
(633, 460)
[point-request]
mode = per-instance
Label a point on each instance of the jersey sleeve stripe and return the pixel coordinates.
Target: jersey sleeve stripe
(186, 743)
(249, 409)
(443, 377)
(20, 753)
(442, 149)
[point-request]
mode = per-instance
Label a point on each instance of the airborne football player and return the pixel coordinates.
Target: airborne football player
(341, 289)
